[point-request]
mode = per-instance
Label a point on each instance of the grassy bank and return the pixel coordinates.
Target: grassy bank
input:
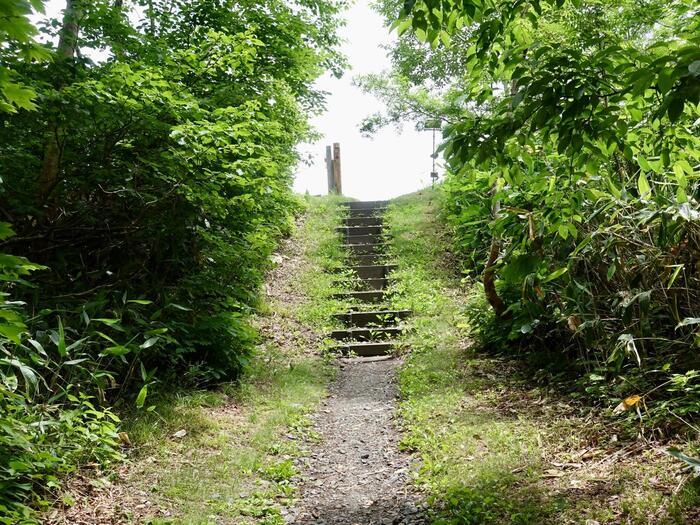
(497, 446)
(227, 455)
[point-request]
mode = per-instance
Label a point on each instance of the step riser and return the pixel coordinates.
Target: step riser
(365, 334)
(363, 221)
(364, 249)
(353, 231)
(363, 319)
(380, 271)
(372, 272)
(364, 239)
(365, 205)
(365, 285)
(372, 212)
(367, 350)
(364, 296)
(366, 260)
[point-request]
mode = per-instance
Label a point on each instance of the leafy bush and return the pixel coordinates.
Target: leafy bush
(149, 188)
(571, 141)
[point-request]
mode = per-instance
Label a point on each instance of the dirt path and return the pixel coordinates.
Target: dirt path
(356, 475)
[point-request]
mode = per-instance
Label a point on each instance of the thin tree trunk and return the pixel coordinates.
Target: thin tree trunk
(66, 51)
(489, 275)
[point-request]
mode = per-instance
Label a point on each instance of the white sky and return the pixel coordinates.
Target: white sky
(389, 164)
(385, 166)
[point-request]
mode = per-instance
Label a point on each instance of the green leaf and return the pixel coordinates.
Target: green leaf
(681, 195)
(61, 342)
(12, 332)
(643, 186)
(6, 231)
(116, 351)
(611, 271)
(150, 342)
(666, 80)
(73, 362)
(141, 398)
(19, 96)
(674, 276)
(563, 230)
(675, 109)
(556, 274)
(643, 163)
(31, 379)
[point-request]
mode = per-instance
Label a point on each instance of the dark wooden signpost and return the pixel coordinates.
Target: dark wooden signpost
(335, 183)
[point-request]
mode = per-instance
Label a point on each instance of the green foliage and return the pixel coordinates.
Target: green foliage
(571, 141)
(149, 189)
(17, 36)
(490, 440)
(41, 441)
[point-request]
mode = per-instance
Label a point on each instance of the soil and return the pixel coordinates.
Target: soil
(356, 473)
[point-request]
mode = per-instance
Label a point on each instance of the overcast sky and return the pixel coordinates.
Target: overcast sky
(391, 163)
(385, 166)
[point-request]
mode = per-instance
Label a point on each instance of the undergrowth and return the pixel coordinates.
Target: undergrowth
(496, 445)
(227, 453)
(146, 167)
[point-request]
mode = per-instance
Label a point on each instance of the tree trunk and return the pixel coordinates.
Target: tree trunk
(66, 51)
(489, 275)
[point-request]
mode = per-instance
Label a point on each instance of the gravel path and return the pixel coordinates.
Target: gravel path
(356, 475)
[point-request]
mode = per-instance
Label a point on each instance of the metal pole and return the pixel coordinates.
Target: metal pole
(434, 174)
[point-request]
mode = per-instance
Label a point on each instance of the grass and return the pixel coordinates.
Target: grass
(236, 460)
(228, 455)
(495, 446)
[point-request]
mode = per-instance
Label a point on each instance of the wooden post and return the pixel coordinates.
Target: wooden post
(336, 169)
(329, 170)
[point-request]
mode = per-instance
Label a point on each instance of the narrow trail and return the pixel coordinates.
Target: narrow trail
(356, 474)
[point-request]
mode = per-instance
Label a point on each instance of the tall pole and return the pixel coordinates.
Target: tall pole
(434, 174)
(329, 170)
(336, 169)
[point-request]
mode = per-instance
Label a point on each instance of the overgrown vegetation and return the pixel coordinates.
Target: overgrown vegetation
(496, 446)
(571, 142)
(230, 453)
(146, 155)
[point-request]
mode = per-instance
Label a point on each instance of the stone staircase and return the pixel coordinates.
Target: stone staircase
(370, 329)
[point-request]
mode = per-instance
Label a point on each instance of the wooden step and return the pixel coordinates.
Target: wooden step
(366, 334)
(363, 221)
(370, 212)
(353, 231)
(371, 259)
(364, 205)
(374, 317)
(366, 349)
(364, 284)
(364, 239)
(364, 248)
(368, 296)
(378, 271)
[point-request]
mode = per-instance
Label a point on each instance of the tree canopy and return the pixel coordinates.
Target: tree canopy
(571, 142)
